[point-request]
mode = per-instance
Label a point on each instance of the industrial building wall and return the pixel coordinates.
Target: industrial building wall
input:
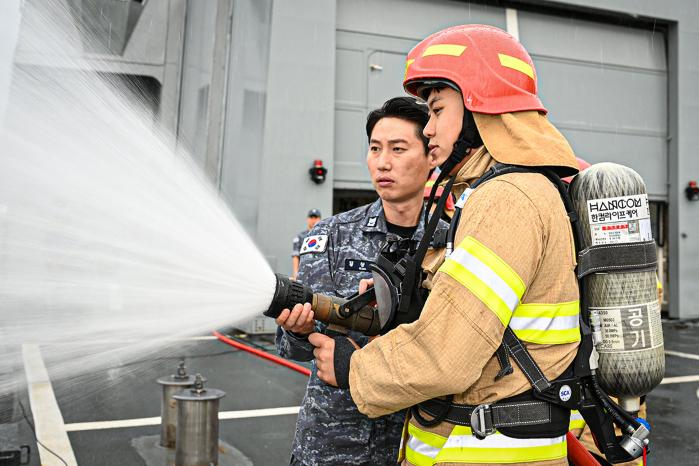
(681, 18)
(280, 100)
(268, 86)
(611, 85)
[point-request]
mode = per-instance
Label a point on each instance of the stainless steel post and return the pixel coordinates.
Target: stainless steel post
(197, 425)
(168, 407)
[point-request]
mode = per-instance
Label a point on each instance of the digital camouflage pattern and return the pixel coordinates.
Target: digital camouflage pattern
(330, 430)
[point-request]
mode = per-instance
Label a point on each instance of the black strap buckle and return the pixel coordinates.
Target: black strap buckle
(482, 423)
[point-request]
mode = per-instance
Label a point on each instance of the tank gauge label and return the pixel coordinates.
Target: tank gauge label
(617, 220)
(630, 328)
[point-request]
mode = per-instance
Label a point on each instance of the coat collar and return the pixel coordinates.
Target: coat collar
(375, 221)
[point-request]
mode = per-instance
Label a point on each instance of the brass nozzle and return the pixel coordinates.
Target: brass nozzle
(326, 309)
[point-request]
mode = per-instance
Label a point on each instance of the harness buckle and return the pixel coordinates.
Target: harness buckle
(479, 427)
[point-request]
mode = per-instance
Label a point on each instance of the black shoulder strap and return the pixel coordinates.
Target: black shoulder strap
(411, 266)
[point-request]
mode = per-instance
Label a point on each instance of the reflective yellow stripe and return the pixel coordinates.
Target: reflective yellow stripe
(407, 65)
(516, 64)
(429, 438)
(571, 308)
(454, 50)
(422, 447)
(503, 454)
(462, 447)
(547, 324)
(576, 420)
(418, 459)
(487, 276)
(426, 448)
(549, 337)
(492, 260)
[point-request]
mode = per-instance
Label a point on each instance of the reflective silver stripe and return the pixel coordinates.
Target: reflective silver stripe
(576, 416)
(544, 323)
(487, 276)
(500, 441)
(421, 447)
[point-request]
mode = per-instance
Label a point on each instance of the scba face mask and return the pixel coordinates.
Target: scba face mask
(397, 284)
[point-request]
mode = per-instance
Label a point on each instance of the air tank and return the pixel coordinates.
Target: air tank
(612, 204)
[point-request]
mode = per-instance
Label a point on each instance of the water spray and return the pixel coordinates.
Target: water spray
(113, 242)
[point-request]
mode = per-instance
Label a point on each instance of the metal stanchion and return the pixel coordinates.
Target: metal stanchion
(168, 406)
(197, 425)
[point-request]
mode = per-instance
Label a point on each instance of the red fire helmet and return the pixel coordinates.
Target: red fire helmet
(493, 71)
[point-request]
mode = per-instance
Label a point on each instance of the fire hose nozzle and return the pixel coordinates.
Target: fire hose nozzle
(327, 309)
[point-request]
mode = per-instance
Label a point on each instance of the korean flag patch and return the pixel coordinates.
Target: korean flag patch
(315, 243)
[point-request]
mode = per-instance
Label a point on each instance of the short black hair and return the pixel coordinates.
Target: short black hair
(405, 108)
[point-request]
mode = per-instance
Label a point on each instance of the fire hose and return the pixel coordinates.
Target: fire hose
(262, 354)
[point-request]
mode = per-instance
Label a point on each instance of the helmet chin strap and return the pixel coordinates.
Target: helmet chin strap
(469, 138)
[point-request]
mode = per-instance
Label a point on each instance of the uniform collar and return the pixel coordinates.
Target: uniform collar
(375, 221)
(473, 169)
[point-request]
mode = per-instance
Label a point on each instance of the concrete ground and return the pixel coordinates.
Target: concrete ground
(128, 392)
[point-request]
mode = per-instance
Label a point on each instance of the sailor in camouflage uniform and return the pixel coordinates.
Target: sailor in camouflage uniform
(312, 218)
(335, 256)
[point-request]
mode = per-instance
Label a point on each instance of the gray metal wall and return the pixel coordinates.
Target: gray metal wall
(605, 88)
(293, 115)
(153, 49)
(682, 18)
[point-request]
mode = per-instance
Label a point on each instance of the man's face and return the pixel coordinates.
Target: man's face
(311, 222)
(446, 118)
(397, 161)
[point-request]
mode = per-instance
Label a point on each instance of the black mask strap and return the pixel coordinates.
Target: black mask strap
(469, 138)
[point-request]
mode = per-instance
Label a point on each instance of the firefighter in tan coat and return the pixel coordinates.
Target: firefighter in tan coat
(512, 267)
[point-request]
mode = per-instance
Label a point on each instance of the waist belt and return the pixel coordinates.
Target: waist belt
(484, 419)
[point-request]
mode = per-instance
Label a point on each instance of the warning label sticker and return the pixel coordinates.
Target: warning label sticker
(616, 220)
(630, 328)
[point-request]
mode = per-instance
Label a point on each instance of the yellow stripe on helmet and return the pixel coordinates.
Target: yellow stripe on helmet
(407, 65)
(516, 64)
(453, 50)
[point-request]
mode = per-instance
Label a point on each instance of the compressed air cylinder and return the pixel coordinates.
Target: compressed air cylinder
(612, 205)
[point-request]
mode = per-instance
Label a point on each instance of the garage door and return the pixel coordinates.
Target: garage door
(606, 89)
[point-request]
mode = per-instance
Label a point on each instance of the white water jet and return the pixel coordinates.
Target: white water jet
(110, 242)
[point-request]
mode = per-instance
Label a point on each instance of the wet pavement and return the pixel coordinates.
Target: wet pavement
(128, 391)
